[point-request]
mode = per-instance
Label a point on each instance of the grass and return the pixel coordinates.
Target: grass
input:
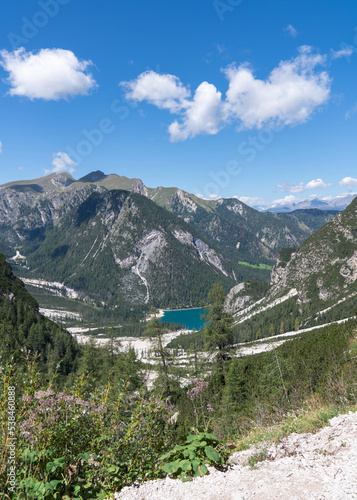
(302, 422)
(255, 266)
(353, 347)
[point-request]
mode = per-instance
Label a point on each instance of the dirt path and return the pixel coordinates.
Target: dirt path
(321, 466)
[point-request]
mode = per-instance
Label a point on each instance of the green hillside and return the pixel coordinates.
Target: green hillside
(23, 327)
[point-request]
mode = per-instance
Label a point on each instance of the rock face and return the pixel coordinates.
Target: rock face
(321, 274)
(237, 298)
(28, 208)
(38, 217)
(326, 264)
(118, 247)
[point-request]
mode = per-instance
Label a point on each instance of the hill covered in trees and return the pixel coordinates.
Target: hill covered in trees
(23, 329)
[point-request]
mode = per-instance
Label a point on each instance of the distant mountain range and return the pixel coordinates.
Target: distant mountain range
(110, 241)
(339, 203)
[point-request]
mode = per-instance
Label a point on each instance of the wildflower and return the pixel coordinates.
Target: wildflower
(200, 385)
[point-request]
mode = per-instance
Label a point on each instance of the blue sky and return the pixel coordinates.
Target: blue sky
(248, 98)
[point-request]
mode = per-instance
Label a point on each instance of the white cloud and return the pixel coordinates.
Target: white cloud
(317, 184)
(164, 91)
(291, 30)
(291, 188)
(348, 182)
(287, 200)
(290, 95)
(251, 200)
(346, 52)
(203, 114)
(208, 197)
(0, 147)
(20, 168)
(299, 188)
(61, 163)
(50, 74)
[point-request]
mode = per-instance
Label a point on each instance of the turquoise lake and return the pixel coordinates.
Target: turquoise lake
(189, 318)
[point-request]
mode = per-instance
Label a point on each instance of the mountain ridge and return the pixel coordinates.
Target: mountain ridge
(39, 223)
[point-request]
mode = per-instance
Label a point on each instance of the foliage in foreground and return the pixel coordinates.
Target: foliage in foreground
(69, 446)
(190, 458)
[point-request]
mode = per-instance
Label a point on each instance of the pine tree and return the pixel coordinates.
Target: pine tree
(155, 331)
(217, 332)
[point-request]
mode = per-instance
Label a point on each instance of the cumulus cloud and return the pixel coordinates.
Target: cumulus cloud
(50, 74)
(291, 30)
(290, 95)
(345, 52)
(286, 200)
(301, 186)
(0, 147)
(348, 182)
(251, 200)
(164, 91)
(61, 163)
(202, 115)
(317, 184)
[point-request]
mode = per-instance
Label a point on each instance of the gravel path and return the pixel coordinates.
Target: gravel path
(321, 466)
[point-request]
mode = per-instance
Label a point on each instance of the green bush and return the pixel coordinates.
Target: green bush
(190, 458)
(72, 446)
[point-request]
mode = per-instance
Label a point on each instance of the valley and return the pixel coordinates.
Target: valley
(104, 283)
(94, 246)
(178, 250)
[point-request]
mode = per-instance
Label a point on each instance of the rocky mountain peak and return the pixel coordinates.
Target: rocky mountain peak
(63, 179)
(95, 176)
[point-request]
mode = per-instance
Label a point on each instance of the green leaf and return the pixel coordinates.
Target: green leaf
(195, 463)
(52, 485)
(167, 455)
(113, 468)
(84, 456)
(30, 456)
(77, 489)
(179, 447)
(53, 466)
(203, 469)
(212, 454)
(185, 465)
(191, 437)
(211, 436)
(171, 467)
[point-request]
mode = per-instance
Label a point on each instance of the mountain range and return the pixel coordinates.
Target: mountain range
(111, 242)
(339, 203)
(314, 284)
